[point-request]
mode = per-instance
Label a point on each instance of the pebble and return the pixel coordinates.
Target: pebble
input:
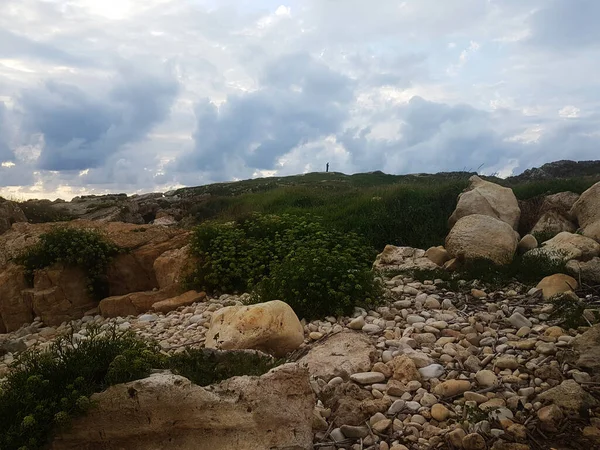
(367, 377)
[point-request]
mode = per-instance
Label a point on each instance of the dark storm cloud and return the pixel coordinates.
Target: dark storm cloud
(300, 100)
(81, 130)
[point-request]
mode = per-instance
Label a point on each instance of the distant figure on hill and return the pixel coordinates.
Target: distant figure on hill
(327, 167)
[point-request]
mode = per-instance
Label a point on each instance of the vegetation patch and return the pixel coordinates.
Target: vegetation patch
(316, 270)
(87, 249)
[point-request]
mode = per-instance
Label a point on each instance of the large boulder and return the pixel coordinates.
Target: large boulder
(482, 237)
(403, 259)
(273, 411)
(185, 299)
(552, 222)
(588, 270)
(10, 213)
(272, 327)
(489, 199)
(173, 266)
(592, 231)
(15, 310)
(570, 397)
(587, 208)
(568, 246)
(340, 355)
(561, 202)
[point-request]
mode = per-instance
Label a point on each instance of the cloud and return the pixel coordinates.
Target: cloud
(81, 130)
(6, 153)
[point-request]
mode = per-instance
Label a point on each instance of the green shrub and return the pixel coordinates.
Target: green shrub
(543, 236)
(72, 247)
(296, 259)
(204, 367)
(45, 389)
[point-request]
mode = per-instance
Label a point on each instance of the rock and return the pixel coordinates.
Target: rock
(349, 403)
(172, 266)
(592, 231)
(431, 371)
(404, 369)
(15, 310)
(557, 284)
(357, 324)
(588, 271)
(168, 411)
(482, 237)
(403, 259)
(450, 388)
(517, 320)
(438, 255)
(478, 293)
(587, 208)
(381, 425)
(486, 378)
(165, 221)
(527, 242)
(569, 396)
(10, 213)
(550, 417)
(272, 327)
(507, 362)
(456, 436)
(587, 349)
(185, 299)
(489, 199)
(340, 355)
(452, 265)
(568, 246)
(439, 412)
(367, 377)
(552, 222)
(131, 304)
(354, 432)
(473, 441)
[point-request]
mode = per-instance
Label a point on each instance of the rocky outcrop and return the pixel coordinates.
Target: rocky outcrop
(173, 266)
(10, 213)
(271, 327)
(587, 208)
(340, 355)
(403, 259)
(273, 411)
(15, 310)
(479, 236)
(489, 199)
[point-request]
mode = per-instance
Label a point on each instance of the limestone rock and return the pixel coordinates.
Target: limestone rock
(404, 369)
(527, 242)
(568, 246)
(593, 231)
(550, 417)
(553, 222)
(340, 355)
(451, 388)
(557, 283)
(172, 266)
(587, 208)
(272, 327)
(587, 348)
(403, 259)
(185, 299)
(10, 213)
(438, 255)
(482, 237)
(15, 310)
(168, 411)
(569, 396)
(489, 199)
(588, 270)
(131, 304)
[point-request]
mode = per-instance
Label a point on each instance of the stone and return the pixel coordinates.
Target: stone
(557, 283)
(131, 304)
(569, 396)
(478, 293)
(272, 327)
(456, 436)
(185, 299)
(482, 237)
(354, 432)
(517, 320)
(367, 377)
(486, 379)
(10, 213)
(527, 242)
(439, 412)
(403, 259)
(431, 371)
(587, 349)
(438, 255)
(340, 355)
(474, 441)
(587, 207)
(588, 270)
(15, 309)
(381, 426)
(568, 246)
(489, 199)
(592, 231)
(451, 388)
(552, 222)
(550, 417)
(168, 411)
(357, 323)
(404, 369)
(383, 368)
(349, 403)
(172, 266)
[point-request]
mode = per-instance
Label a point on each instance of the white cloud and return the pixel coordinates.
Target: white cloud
(569, 112)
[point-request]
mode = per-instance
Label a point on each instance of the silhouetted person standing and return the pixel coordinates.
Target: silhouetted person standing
(327, 168)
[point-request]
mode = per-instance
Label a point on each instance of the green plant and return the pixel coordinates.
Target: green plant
(543, 236)
(204, 367)
(296, 259)
(87, 249)
(45, 389)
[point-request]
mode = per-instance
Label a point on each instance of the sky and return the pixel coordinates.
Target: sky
(100, 96)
